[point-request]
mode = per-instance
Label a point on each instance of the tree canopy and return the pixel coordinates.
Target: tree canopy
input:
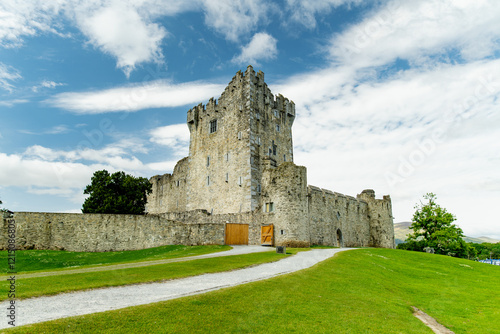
(116, 193)
(432, 227)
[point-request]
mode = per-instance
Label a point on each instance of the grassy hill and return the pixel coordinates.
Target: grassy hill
(359, 291)
(403, 228)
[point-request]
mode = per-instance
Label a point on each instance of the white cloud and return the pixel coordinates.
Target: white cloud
(7, 75)
(126, 30)
(45, 171)
(429, 127)
(47, 84)
(175, 136)
(123, 29)
(27, 18)
(234, 18)
(355, 132)
(119, 30)
(262, 46)
(419, 31)
(58, 129)
(10, 103)
(305, 11)
(155, 94)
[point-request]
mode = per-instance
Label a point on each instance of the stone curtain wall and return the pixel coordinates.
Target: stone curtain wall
(330, 212)
(103, 232)
(169, 191)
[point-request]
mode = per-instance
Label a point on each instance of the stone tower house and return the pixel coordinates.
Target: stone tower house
(240, 169)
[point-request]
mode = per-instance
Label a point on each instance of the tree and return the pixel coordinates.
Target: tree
(5, 213)
(432, 227)
(116, 193)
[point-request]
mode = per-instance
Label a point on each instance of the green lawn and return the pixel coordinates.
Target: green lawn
(39, 286)
(359, 291)
(37, 260)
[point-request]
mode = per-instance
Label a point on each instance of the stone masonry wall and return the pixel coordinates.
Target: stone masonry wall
(169, 191)
(286, 188)
(219, 161)
(331, 212)
(100, 232)
(381, 220)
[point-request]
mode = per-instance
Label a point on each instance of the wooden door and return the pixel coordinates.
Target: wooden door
(236, 234)
(266, 235)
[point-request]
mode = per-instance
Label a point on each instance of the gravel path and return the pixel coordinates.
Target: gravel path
(237, 250)
(100, 300)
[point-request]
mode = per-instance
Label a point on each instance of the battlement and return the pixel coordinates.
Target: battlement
(246, 92)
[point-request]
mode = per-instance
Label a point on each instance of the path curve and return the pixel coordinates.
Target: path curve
(47, 308)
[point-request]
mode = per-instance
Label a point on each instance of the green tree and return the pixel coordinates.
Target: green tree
(432, 227)
(487, 250)
(116, 193)
(4, 212)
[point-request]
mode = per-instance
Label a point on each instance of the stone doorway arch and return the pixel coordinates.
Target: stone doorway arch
(340, 241)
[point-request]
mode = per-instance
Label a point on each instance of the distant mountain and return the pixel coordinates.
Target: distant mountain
(481, 240)
(402, 229)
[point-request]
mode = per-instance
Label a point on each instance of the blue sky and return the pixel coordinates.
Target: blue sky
(398, 96)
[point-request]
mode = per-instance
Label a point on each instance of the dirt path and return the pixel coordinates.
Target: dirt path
(430, 322)
(47, 308)
(237, 250)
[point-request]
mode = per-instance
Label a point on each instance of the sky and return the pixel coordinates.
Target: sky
(397, 96)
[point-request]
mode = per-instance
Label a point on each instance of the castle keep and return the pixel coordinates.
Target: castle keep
(240, 172)
(238, 185)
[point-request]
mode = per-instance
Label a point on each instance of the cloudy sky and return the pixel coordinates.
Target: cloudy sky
(398, 96)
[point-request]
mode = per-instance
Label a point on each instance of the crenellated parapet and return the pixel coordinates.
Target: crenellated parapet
(381, 219)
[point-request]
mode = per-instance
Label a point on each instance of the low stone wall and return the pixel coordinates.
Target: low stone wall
(106, 232)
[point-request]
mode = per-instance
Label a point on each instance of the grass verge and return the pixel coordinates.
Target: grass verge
(360, 291)
(51, 285)
(45, 260)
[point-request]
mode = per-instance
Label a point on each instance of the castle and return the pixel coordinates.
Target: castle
(238, 185)
(240, 170)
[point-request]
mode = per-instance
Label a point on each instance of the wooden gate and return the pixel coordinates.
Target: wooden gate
(236, 234)
(266, 235)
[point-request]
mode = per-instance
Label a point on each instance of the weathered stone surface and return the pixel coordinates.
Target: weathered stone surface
(103, 232)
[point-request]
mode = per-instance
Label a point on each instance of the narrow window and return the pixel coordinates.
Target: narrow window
(239, 135)
(282, 232)
(284, 157)
(208, 161)
(270, 207)
(275, 148)
(178, 183)
(208, 180)
(240, 181)
(258, 141)
(226, 156)
(227, 177)
(213, 126)
(277, 127)
(258, 188)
